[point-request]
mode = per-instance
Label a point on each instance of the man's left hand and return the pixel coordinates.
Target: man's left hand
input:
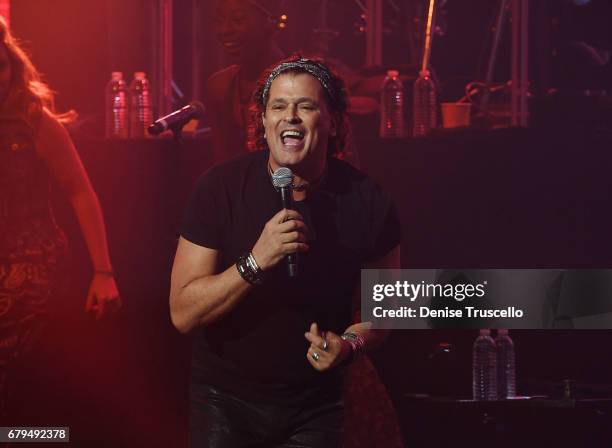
(326, 350)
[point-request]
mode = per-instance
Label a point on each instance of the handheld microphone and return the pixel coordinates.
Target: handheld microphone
(282, 179)
(178, 118)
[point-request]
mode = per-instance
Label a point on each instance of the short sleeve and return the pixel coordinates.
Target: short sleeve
(204, 218)
(385, 227)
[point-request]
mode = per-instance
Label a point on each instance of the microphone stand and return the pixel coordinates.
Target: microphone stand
(177, 137)
(177, 162)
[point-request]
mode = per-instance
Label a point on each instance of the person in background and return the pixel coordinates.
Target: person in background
(36, 149)
(245, 29)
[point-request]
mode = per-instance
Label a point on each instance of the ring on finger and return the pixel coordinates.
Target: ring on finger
(324, 348)
(315, 356)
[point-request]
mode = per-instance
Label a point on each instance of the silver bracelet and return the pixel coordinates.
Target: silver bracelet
(253, 263)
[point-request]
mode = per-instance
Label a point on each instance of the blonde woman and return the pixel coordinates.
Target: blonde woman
(35, 149)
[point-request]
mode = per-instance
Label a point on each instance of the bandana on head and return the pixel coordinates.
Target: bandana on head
(309, 66)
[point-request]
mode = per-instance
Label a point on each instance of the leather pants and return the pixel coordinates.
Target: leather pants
(221, 420)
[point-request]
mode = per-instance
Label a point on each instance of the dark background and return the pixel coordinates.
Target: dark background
(485, 199)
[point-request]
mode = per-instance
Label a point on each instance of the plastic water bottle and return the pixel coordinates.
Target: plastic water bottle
(141, 113)
(424, 105)
(506, 367)
(116, 117)
(484, 368)
(392, 106)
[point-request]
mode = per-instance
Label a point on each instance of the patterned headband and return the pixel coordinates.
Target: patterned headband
(313, 68)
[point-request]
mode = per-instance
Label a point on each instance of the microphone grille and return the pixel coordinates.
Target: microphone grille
(198, 108)
(282, 177)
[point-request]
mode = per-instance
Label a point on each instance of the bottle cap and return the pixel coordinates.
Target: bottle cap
(392, 73)
(140, 75)
(502, 331)
(116, 76)
(485, 332)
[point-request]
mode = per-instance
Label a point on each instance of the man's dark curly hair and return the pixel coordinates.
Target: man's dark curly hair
(335, 93)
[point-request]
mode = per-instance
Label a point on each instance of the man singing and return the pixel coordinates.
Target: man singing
(271, 349)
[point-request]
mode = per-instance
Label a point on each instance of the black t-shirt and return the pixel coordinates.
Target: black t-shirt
(258, 349)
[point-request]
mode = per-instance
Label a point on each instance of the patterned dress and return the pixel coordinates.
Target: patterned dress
(32, 247)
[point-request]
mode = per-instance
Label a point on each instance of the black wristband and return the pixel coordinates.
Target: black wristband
(249, 270)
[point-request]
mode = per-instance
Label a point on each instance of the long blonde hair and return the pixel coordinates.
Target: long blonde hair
(28, 94)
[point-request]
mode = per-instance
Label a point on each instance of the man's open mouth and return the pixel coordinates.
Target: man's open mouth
(292, 137)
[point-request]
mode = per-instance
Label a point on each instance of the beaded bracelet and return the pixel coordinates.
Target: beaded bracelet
(357, 343)
(249, 270)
